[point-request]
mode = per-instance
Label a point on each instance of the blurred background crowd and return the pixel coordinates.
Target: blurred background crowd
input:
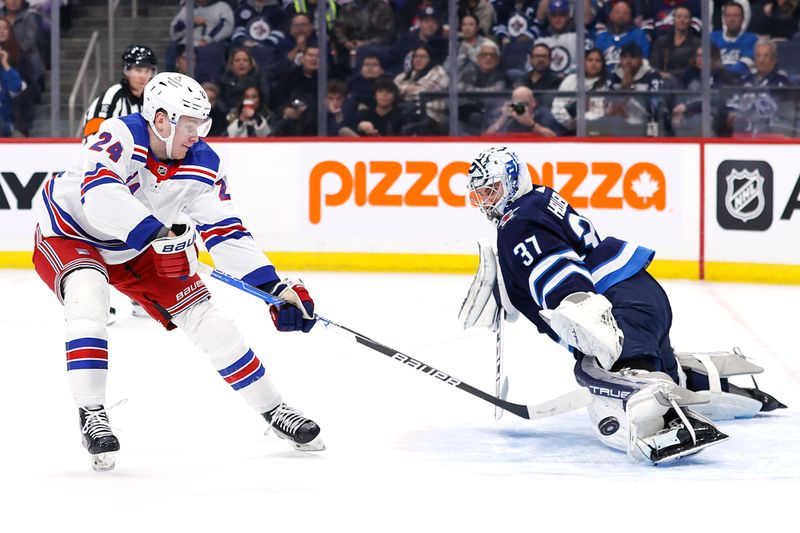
(388, 71)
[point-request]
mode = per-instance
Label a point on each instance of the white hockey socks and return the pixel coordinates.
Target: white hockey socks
(217, 337)
(86, 302)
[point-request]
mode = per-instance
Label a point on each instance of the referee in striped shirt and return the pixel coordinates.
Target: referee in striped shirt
(125, 97)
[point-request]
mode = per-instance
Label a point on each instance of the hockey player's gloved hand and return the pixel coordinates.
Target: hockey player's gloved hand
(175, 257)
(297, 314)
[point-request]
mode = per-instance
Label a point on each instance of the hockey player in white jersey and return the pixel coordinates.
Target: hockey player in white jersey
(595, 297)
(126, 216)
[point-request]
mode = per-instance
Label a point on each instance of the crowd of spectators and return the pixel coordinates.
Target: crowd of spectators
(24, 60)
(389, 71)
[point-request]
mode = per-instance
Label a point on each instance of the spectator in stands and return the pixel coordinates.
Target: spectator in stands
(219, 123)
(764, 112)
(428, 34)
(471, 41)
(516, 21)
(596, 80)
(258, 23)
(23, 102)
(541, 77)
(779, 19)
(310, 7)
(589, 13)
(335, 99)
(124, 98)
(361, 86)
(241, 72)
(213, 22)
(297, 91)
(766, 66)
(482, 10)
(621, 31)
(522, 115)
(659, 16)
(735, 44)
(28, 31)
(425, 75)
(634, 73)
(382, 119)
(560, 37)
(485, 77)
(687, 111)
(10, 86)
(181, 65)
(251, 116)
(301, 36)
(672, 52)
(360, 22)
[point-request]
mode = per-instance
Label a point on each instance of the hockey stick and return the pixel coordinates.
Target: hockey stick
(568, 402)
(501, 380)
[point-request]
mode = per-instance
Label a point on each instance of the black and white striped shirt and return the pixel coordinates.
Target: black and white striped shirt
(117, 101)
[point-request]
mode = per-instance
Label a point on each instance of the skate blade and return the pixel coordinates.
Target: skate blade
(103, 462)
(693, 451)
(315, 445)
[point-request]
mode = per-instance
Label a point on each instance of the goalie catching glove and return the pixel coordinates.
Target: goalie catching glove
(585, 322)
(175, 256)
(297, 314)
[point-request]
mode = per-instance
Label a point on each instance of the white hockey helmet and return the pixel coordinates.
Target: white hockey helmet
(497, 177)
(178, 96)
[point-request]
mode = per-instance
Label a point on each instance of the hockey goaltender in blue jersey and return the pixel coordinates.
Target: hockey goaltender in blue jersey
(548, 251)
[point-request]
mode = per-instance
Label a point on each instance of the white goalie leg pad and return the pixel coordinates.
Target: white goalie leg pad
(86, 303)
(217, 337)
(479, 308)
(487, 294)
(717, 365)
(585, 322)
(653, 439)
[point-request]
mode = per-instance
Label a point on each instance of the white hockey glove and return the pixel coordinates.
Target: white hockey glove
(176, 257)
(585, 322)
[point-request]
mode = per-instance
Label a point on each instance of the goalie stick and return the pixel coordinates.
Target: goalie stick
(568, 402)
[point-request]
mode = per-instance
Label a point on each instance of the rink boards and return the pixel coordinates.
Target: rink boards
(722, 211)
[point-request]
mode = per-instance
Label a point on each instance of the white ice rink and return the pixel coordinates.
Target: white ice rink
(405, 452)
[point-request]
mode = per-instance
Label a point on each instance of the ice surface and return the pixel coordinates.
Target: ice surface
(405, 452)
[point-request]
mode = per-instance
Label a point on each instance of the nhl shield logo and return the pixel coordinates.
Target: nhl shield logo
(744, 197)
(162, 170)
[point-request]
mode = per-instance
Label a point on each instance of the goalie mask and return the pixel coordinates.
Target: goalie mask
(497, 177)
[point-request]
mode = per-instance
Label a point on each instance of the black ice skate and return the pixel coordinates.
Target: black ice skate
(290, 424)
(768, 402)
(98, 439)
(677, 440)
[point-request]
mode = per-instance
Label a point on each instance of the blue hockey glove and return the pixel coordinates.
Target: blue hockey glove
(297, 314)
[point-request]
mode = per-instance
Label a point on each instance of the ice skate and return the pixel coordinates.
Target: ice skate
(98, 439)
(685, 433)
(290, 424)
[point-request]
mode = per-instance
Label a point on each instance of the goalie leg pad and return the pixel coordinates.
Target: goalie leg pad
(710, 371)
(479, 308)
(645, 413)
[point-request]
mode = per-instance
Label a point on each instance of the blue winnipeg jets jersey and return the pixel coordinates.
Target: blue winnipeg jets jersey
(547, 251)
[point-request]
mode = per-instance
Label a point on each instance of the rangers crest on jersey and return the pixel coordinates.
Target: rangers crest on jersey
(744, 197)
